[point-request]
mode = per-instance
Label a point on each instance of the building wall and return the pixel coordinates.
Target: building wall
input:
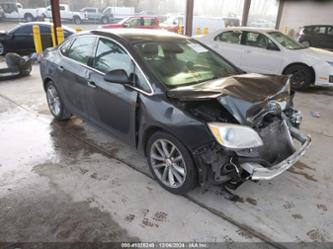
(296, 14)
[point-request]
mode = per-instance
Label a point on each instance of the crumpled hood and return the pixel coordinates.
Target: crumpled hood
(244, 96)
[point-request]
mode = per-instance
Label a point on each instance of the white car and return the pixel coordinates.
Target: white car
(16, 11)
(268, 51)
(66, 14)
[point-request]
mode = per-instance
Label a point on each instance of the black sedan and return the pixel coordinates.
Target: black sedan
(195, 116)
(20, 38)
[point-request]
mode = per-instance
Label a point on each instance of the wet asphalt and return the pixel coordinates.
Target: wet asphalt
(69, 181)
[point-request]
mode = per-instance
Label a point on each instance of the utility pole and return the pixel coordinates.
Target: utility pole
(246, 10)
(189, 17)
(55, 17)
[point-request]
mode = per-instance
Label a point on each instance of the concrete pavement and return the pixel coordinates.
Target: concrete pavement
(78, 183)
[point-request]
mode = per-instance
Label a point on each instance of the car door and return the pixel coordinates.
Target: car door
(228, 45)
(46, 37)
(318, 36)
(260, 54)
(112, 106)
(329, 38)
(91, 13)
(21, 40)
(73, 73)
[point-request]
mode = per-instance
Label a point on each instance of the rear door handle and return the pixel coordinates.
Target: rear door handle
(61, 68)
(91, 84)
(248, 51)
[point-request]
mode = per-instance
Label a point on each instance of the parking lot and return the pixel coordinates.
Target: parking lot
(161, 129)
(69, 181)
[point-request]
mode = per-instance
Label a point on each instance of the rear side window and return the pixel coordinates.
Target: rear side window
(330, 30)
(150, 22)
(24, 30)
(321, 30)
(229, 37)
(45, 29)
(81, 49)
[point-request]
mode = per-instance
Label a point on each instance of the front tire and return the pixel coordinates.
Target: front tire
(301, 76)
(171, 163)
(105, 20)
(306, 43)
(77, 20)
(55, 103)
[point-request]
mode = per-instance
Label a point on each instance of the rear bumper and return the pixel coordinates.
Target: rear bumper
(259, 172)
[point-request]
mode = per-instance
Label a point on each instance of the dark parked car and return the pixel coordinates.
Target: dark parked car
(320, 36)
(2, 14)
(20, 38)
(195, 116)
(95, 16)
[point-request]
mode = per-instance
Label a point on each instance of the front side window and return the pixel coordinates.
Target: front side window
(330, 30)
(110, 56)
(229, 37)
(183, 62)
(255, 40)
(65, 46)
(81, 49)
(285, 40)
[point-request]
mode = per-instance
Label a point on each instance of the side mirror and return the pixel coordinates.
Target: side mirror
(118, 76)
(126, 25)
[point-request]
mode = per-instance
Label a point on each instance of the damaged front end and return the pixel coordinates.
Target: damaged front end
(254, 123)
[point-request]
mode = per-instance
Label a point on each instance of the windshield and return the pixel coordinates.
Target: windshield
(286, 41)
(183, 62)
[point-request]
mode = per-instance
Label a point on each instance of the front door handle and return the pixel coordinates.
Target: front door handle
(91, 84)
(61, 68)
(248, 51)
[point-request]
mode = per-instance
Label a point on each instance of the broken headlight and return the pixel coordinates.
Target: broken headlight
(235, 136)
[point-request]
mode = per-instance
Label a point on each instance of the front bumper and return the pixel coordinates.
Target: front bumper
(259, 172)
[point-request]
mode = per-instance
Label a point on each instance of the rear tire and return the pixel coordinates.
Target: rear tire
(171, 163)
(302, 76)
(55, 102)
(28, 17)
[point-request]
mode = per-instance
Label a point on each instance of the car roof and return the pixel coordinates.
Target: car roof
(44, 23)
(138, 35)
(318, 25)
(254, 29)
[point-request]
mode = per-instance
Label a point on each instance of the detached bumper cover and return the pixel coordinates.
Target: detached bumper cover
(258, 172)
